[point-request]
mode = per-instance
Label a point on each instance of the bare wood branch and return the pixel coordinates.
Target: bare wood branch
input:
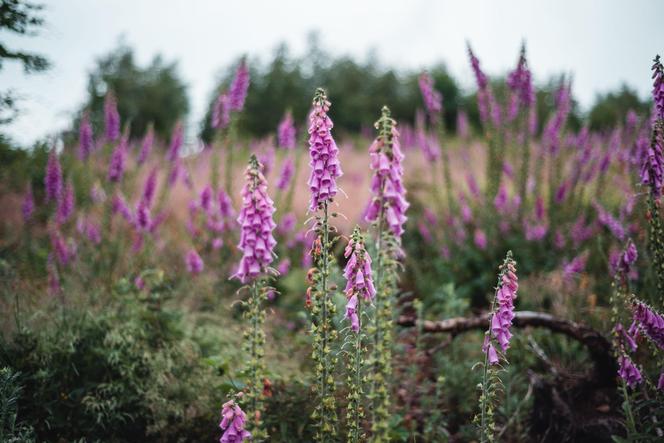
(598, 346)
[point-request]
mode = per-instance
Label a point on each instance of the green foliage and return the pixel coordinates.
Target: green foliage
(154, 94)
(131, 372)
(357, 89)
(11, 429)
(610, 109)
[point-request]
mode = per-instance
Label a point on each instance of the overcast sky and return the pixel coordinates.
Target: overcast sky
(602, 43)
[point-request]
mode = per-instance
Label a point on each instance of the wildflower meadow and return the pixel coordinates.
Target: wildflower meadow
(446, 268)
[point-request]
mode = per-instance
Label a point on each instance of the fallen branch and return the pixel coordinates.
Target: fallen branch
(598, 346)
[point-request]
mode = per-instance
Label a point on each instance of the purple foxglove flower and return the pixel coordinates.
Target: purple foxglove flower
(658, 87)
(265, 155)
(660, 382)
(85, 141)
(146, 145)
(286, 132)
(64, 252)
(561, 192)
(256, 239)
(28, 205)
(535, 232)
(53, 177)
(284, 266)
(233, 420)
(221, 112)
(143, 219)
(116, 166)
(479, 238)
(433, 100)
(323, 152)
(501, 319)
(605, 218)
(490, 351)
(521, 87)
(66, 203)
(194, 262)
(429, 146)
(217, 243)
(425, 232)
(111, 118)
(627, 258)
(388, 192)
(286, 174)
(238, 90)
(359, 278)
(287, 223)
(149, 188)
(206, 198)
(486, 102)
(625, 337)
(225, 204)
(628, 371)
(652, 171)
(576, 266)
(472, 186)
(119, 206)
(176, 143)
(176, 172)
(92, 232)
(139, 283)
(554, 126)
(650, 322)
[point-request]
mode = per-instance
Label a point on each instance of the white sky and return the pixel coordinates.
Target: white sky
(602, 43)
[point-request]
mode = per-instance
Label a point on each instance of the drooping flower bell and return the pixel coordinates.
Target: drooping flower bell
(359, 278)
(232, 423)
(650, 322)
(194, 262)
(652, 171)
(388, 193)
(628, 371)
(323, 152)
(256, 223)
(521, 86)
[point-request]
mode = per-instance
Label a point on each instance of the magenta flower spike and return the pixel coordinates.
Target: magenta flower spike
(221, 112)
(53, 177)
(66, 204)
(149, 188)
(116, 166)
(286, 175)
(286, 132)
(501, 318)
(650, 322)
(233, 420)
(658, 87)
(194, 262)
(237, 93)
(257, 224)
(521, 87)
(387, 189)
(176, 143)
(628, 371)
(323, 151)
(433, 99)
(111, 118)
(359, 278)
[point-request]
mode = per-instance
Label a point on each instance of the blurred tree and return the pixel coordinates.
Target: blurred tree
(357, 90)
(152, 94)
(610, 109)
(21, 18)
